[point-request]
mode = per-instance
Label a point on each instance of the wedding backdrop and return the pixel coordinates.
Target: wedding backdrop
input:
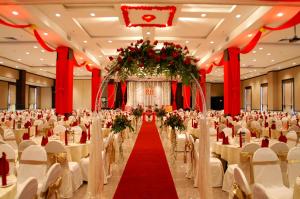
(148, 93)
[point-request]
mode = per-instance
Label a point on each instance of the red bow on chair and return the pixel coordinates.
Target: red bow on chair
(4, 169)
(265, 142)
(282, 138)
(44, 141)
(83, 137)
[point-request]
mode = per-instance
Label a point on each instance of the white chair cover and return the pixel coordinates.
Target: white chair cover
(259, 192)
(242, 182)
(293, 166)
(28, 189)
(291, 139)
(54, 172)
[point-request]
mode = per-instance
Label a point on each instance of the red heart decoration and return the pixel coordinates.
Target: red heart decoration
(148, 17)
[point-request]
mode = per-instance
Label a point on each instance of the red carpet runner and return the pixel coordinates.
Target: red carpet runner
(147, 174)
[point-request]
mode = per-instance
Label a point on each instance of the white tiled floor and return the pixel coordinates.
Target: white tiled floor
(184, 186)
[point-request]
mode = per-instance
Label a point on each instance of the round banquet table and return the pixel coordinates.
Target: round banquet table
(10, 191)
(78, 151)
(19, 133)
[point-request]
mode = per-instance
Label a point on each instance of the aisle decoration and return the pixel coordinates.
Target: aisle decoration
(175, 122)
(120, 123)
(161, 113)
(137, 113)
(143, 58)
(4, 169)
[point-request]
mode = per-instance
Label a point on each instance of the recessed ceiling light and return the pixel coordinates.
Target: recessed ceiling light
(237, 16)
(294, 63)
(35, 47)
(85, 41)
(41, 69)
(243, 64)
(19, 59)
(261, 48)
(15, 12)
(45, 33)
(254, 60)
(269, 54)
(57, 15)
(1, 62)
(41, 59)
(272, 60)
(109, 41)
(280, 14)
(92, 14)
(17, 66)
(187, 42)
(254, 51)
(42, 50)
(249, 35)
(211, 42)
(148, 33)
(203, 15)
(27, 53)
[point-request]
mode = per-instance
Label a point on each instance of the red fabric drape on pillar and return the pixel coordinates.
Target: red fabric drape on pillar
(123, 88)
(174, 87)
(64, 80)
(186, 96)
(96, 82)
(111, 95)
(232, 81)
(202, 82)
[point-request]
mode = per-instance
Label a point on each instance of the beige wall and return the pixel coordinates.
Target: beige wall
(9, 73)
(4, 94)
(38, 80)
(274, 80)
(46, 97)
(82, 94)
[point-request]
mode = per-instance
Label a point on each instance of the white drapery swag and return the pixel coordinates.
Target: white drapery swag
(148, 93)
(95, 175)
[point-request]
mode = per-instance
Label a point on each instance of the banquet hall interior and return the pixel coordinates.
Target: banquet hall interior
(152, 99)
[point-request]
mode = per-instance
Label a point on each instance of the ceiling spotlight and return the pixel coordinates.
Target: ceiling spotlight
(15, 13)
(269, 54)
(42, 50)
(243, 64)
(92, 14)
(35, 47)
(57, 15)
(41, 69)
(237, 16)
(280, 14)
(148, 33)
(19, 59)
(294, 63)
(249, 35)
(1, 62)
(45, 33)
(261, 48)
(211, 42)
(85, 41)
(203, 15)
(254, 60)
(272, 60)
(109, 41)
(187, 42)
(41, 59)
(17, 66)
(27, 53)
(254, 51)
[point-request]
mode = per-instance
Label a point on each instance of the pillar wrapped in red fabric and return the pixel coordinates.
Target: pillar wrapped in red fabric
(96, 82)
(123, 88)
(232, 81)
(111, 94)
(64, 80)
(186, 96)
(174, 87)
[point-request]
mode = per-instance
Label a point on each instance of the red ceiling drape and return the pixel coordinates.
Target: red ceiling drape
(186, 96)
(110, 94)
(292, 22)
(123, 88)
(96, 81)
(174, 87)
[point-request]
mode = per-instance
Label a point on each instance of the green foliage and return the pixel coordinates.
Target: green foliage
(137, 112)
(120, 123)
(161, 112)
(143, 58)
(174, 121)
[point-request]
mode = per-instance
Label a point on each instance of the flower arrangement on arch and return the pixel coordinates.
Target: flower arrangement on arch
(120, 123)
(145, 58)
(138, 111)
(174, 121)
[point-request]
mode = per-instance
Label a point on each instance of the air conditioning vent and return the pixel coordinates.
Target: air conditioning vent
(10, 38)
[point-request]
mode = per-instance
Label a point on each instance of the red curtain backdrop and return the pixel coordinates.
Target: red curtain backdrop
(123, 88)
(174, 87)
(64, 80)
(111, 94)
(186, 96)
(96, 81)
(232, 81)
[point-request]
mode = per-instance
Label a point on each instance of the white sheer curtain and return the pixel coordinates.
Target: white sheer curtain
(148, 93)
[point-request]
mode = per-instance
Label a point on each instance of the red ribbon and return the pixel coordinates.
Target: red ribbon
(14, 25)
(292, 22)
(4, 168)
(42, 42)
(252, 43)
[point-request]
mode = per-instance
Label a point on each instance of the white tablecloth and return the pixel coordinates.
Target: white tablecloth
(10, 191)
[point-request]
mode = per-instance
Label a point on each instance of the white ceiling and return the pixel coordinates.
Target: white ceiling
(96, 29)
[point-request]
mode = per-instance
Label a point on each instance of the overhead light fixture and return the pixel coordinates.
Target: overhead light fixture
(203, 15)
(261, 48)
(187, 41)
(272, 60)
(35, 47)
(45, 33)
(27, 53)
(254, 60)
(42, 50)
(249, 35)
(17, 66)
(92, 14)
(238, 16)
(109, 41)
(85, 41)
(254, 51)
(41, 69)
(211, 42)
(294, 63)
(57, 15)
(280, 14)
(41, 59)
(1, 62)
(148, 33)
(269, 54)
(15, 13)
(19, 59)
